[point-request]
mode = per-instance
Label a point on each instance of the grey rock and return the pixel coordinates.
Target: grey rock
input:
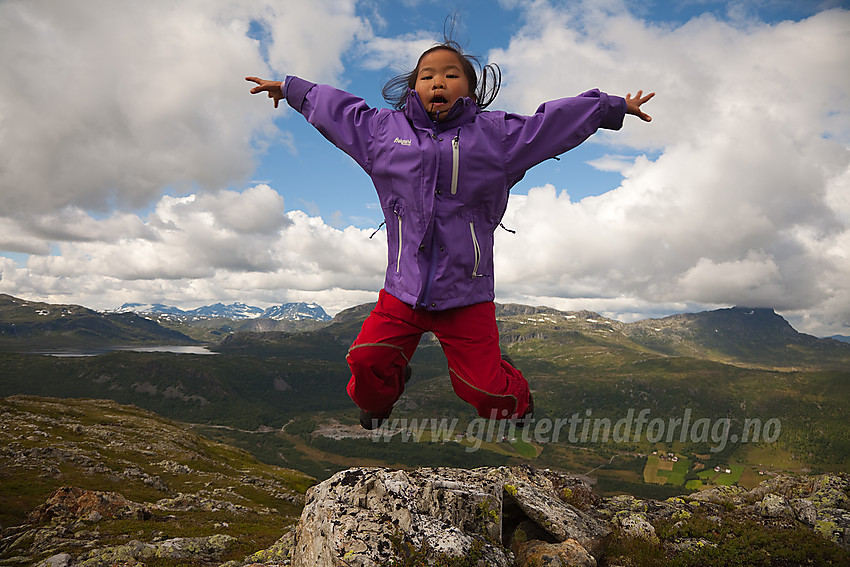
(804, 510)
(727, 495)
(536, 496)
(356, 514)
(365, 516)
(636, 526)
(58, 560)
(775, 506)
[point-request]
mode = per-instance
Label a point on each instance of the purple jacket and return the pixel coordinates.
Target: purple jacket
(443, 186)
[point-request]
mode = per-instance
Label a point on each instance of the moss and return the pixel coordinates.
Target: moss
(680, 515)
(488, 511)
(519, 536)
(511, 489)
(826, 528)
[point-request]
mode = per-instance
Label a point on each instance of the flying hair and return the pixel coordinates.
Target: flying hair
(485, 80)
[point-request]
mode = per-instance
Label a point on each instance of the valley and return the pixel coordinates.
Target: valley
(734, 389)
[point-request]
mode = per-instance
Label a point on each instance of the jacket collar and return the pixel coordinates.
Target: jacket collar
(462, 111)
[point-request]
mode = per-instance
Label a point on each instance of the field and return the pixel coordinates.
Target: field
(664, 470)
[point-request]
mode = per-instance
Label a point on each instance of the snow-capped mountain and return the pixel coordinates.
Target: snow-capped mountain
(158, 308)
(296, 312)
(222, 311)
(237, 311)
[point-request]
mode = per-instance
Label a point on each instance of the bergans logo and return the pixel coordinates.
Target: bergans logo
(402, 142)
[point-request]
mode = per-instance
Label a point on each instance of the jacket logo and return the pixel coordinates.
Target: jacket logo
(402, 142)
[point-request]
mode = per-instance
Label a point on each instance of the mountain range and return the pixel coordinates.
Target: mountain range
(299, 311)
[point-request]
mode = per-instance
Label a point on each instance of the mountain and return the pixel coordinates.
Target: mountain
(237, 311)
(30, 325)
(221, 311)
(742, 335)
(841, 338)
(296, 312)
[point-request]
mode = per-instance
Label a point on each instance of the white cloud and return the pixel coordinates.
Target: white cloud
(747, 201)
(202, 248)
(106, 104)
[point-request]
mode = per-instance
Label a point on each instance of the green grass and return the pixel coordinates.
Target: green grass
(526, 450)
(731, 478)
(680, 469)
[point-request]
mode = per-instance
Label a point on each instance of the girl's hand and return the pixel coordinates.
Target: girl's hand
(272, 87)
(633, 105)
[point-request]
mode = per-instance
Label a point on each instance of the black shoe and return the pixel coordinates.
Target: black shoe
(529, 413)
(370, 420)
(528, 416)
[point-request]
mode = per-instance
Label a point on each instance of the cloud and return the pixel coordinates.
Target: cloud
(106, 104)
(218, 246)
(745, 203)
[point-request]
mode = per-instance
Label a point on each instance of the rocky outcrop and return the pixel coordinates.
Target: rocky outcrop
(367, 516)
(508, 517)
(519, 516)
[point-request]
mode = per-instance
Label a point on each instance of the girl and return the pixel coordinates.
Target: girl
(443, 167)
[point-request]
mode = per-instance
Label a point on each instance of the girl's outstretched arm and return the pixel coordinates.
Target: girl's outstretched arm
(632, 105)
(274, 88)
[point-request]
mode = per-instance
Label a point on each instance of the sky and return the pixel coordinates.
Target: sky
(136, 167)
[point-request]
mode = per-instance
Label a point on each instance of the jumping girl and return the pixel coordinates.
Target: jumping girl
(443, 168)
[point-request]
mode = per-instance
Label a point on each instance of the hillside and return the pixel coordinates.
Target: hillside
(90, 483)
(29, 325)
(126, 472)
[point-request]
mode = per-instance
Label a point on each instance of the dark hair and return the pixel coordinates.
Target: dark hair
(484, 91)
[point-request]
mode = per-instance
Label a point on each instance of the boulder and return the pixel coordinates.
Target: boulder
(58, 560)
(372, 516)
(775, 506)
(568, 553)
(72, 503)
(636, 526)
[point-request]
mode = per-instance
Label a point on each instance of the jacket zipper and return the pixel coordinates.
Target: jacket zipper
(477, 250)
(398, 259)
(455, 161)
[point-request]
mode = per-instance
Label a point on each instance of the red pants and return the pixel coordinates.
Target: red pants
(470, 341)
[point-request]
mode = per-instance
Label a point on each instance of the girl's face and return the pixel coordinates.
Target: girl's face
(440, 81)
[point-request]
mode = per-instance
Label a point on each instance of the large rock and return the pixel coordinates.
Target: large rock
(72, 503)
(369, 517)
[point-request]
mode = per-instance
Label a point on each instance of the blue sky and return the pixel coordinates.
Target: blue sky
(137, 167)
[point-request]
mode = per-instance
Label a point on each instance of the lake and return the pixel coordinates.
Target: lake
(178, 349)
